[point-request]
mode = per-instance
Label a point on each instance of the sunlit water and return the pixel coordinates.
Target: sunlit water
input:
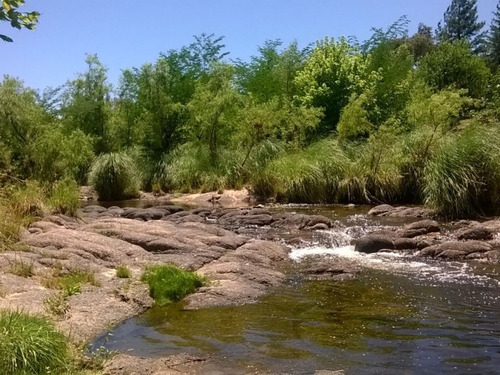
(400, 315)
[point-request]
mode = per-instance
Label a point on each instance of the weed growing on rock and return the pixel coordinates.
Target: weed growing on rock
(31, 345)
(22, 268)
(123, 272)
(169, 284)
(56, 304)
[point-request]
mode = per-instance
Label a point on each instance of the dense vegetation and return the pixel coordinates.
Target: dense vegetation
(398, 118)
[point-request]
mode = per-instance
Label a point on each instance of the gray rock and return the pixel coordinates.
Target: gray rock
(373, 243)
(455, 249)
(474, 233)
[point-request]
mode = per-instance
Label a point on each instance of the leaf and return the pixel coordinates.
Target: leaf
(5, 38)
(6, 5)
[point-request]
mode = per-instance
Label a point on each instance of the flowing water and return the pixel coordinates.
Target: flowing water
(398, 316)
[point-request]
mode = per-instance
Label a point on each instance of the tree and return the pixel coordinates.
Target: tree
(87, 103)
(214, 109)
(453, 64)
(421, 43)
(460, 23)
(334, 71)
(494, 37)
(272, 73)
(17, 19)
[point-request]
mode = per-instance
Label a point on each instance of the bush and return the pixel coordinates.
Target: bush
(169, 284)
(31, 345)
(115, 177)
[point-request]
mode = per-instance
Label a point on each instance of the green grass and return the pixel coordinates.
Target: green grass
(70, 283)
(123, 272)
(64, 197)
(463, 180)
(31, 345)
(115, 176)
(169, 284)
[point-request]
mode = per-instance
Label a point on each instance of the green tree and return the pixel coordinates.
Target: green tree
(421, 43)
(452, 64)
(494, 37)
(460, 23)
(86, 104)
(334, 71)
(9, 12)
(214, 109)
(272, 73)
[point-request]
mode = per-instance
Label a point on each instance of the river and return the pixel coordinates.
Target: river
(399, 315)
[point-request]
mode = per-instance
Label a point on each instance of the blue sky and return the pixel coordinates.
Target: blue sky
(128, 33)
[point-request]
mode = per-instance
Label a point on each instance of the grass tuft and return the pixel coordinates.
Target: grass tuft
(115, 177)
(31, 345)
(169, 284)
(123, 272)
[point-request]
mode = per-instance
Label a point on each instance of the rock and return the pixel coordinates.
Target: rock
(124, 364)
(94, 208)
(299, 221)
(419, 228)
(405, 244)
(381, 210)
(474, 233)
(240, 276)
(455, 249)
(373, 243)
(402, 211)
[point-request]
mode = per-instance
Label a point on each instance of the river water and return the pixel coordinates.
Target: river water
(399, 315)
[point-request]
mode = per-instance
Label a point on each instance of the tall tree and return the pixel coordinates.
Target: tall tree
(460, 23)
(87, 103)
(494, 37)
(9, 12)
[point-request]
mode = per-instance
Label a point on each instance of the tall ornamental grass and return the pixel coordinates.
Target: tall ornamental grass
(114, 176)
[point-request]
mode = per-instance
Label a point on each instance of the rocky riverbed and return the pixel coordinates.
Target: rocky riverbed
(243, 252)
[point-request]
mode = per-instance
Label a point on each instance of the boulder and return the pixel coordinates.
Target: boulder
(419, 228)
(474, 233)
(455, 249)
(373, 243)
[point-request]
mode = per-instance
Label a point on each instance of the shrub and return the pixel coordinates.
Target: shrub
(123, 272)
(31, 345)
(169, 284)
(114, 176)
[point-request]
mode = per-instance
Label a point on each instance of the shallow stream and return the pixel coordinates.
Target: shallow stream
(398, 316)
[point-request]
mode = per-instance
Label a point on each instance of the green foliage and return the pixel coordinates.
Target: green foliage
(493, 42)
(191, 168)
(64, 197)
(452, 64)
(353, 122)
(169, 284)
(464, 178)
(31, 345)
(460, 24)
(331, 75)
(272, 73)
(9, 12)
(86, 104)
(214, 109)
(114, 176)
(58, 154)
(123, 272)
